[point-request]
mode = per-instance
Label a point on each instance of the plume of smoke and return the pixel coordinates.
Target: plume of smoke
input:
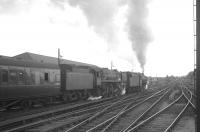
(100, 14)
(138, 31)
(13, 6)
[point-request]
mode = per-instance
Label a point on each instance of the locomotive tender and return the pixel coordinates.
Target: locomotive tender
(26, 83)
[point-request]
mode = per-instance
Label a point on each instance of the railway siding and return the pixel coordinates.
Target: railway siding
(128, 107)
(169, 109)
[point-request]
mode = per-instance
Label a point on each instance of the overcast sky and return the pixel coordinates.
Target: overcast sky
(156, 34)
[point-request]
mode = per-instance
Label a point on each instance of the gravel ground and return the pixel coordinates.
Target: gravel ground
(187, 124)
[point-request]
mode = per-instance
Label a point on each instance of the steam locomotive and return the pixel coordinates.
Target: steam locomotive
(27, 83)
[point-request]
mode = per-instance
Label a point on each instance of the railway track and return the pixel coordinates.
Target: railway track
(6, 114)
(164, 119)
(10, 114)
(163, 111)
(189, 94)
(52, 112)
(66, 122)
(186, 122)
(121, 120)
(15, 113)
(105, 116)
(82, 117)
(80, 112)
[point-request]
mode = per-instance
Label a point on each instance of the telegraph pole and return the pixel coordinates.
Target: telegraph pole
(59, 57)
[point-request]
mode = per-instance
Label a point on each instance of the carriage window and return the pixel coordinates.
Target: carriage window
(21, 77)
(4, 76)
(46, 76)
(13, 76)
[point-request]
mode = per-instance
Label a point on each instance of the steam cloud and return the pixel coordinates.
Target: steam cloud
(100, 14)
(137, 28)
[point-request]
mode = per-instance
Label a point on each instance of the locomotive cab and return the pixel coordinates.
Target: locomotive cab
(132, 81)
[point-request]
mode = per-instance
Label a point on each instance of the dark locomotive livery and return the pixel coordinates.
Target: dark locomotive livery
(26, 83)
(134, 82)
